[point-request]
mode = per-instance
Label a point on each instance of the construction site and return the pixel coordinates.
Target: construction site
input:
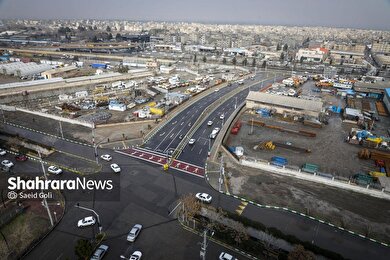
(346, 141)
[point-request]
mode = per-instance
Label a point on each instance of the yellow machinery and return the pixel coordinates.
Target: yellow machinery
(157, 111)
(267, 145)
(166, 167)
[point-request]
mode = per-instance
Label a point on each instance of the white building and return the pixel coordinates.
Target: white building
(311, 55)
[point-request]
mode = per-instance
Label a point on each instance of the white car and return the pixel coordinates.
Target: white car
(222, 116)
(134, 232)
(2, 152)
(216, 90)
(54, 170)
(226, 256)
(192, 141)
(100, 252)
(106, 157)
(136, 255)
(210, 123)
(204, 197)
(87, 221)
(115, 167)
(7, 163)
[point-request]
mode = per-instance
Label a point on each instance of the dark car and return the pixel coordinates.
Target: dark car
(21, 157)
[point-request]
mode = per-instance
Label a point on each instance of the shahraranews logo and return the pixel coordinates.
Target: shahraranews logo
(16, 183)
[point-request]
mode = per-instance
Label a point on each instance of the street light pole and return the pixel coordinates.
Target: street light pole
(44, 198)
(97, 216)
(203, 245)
(221, 174)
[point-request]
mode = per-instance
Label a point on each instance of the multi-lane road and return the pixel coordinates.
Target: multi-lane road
(148, 193)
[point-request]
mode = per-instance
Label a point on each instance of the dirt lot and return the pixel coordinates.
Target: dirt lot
(328, 146)
(354, 211)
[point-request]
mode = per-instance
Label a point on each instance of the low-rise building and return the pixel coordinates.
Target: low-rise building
(311, 55)
(284, 104)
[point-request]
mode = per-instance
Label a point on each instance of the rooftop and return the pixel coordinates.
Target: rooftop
(285, 101)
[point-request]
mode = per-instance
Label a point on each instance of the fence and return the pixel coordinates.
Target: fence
(319, 177)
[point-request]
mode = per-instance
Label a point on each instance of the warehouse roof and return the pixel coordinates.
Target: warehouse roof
(377, 87)
(285, 101)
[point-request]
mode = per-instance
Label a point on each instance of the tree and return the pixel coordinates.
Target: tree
(108, 28)
(234, 60)
(90, 28)
(83, 249)
(94, 39)
(190, 206)
(245, 62)
(299, 253)
(109, 37)
(264, 64)
(204, 59)
(224, 60)
(285, 47)
(118, 37)
(81, 28)
(95, 28)
(253, 62)
(278, 47)
(195, 60)
(282, 56)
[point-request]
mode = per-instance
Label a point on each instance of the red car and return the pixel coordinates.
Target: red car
(21, 157)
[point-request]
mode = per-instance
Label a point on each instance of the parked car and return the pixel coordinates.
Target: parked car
(2, 152)
(180, 137)
(54, 170)
(115, 167)
(7, 163)
(5, 168)
(192, 141)
(226, 256)
(204, 197)
(87, 221)
(21, 157)
(100, 252)
(134, 232)
(136, 255)
(106, 157)
(210, 123)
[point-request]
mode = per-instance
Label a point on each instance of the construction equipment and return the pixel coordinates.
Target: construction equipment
(282, 129)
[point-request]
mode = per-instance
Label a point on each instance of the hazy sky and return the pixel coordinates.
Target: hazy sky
(372, 14)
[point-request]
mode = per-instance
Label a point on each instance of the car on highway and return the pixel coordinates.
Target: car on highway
(21, 157)
(216, 90)
(204, 197)
(134, 232)
(54, 170)
(7, 163)
(180, 137)
(209, 123)
(87, 221)
(226, 256)
(100, 252)
(106, 157)
(2, 152)
(222, 116)
(191, 141)
(115, 167)
(136, 255)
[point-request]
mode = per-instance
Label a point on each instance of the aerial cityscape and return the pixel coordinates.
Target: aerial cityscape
(195, 130)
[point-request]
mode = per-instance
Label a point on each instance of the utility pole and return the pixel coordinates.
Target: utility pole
(97, 216)
(221, 174)
(94, 146)
(44, 199)
(2, 112)
(62, 133)
(251, 132)
(203, 245)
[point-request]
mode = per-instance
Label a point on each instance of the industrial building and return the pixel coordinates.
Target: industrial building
(21, 69)
(54, 72)
(284, 104)
(386, 98)
(374, 90)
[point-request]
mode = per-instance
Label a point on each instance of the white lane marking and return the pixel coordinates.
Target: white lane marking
(172, 135)
(182, 123)
(162, 134)
(204, 131)
(174, 122)
(200, 151)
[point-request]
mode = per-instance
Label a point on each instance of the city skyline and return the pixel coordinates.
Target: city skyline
(347, 14)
